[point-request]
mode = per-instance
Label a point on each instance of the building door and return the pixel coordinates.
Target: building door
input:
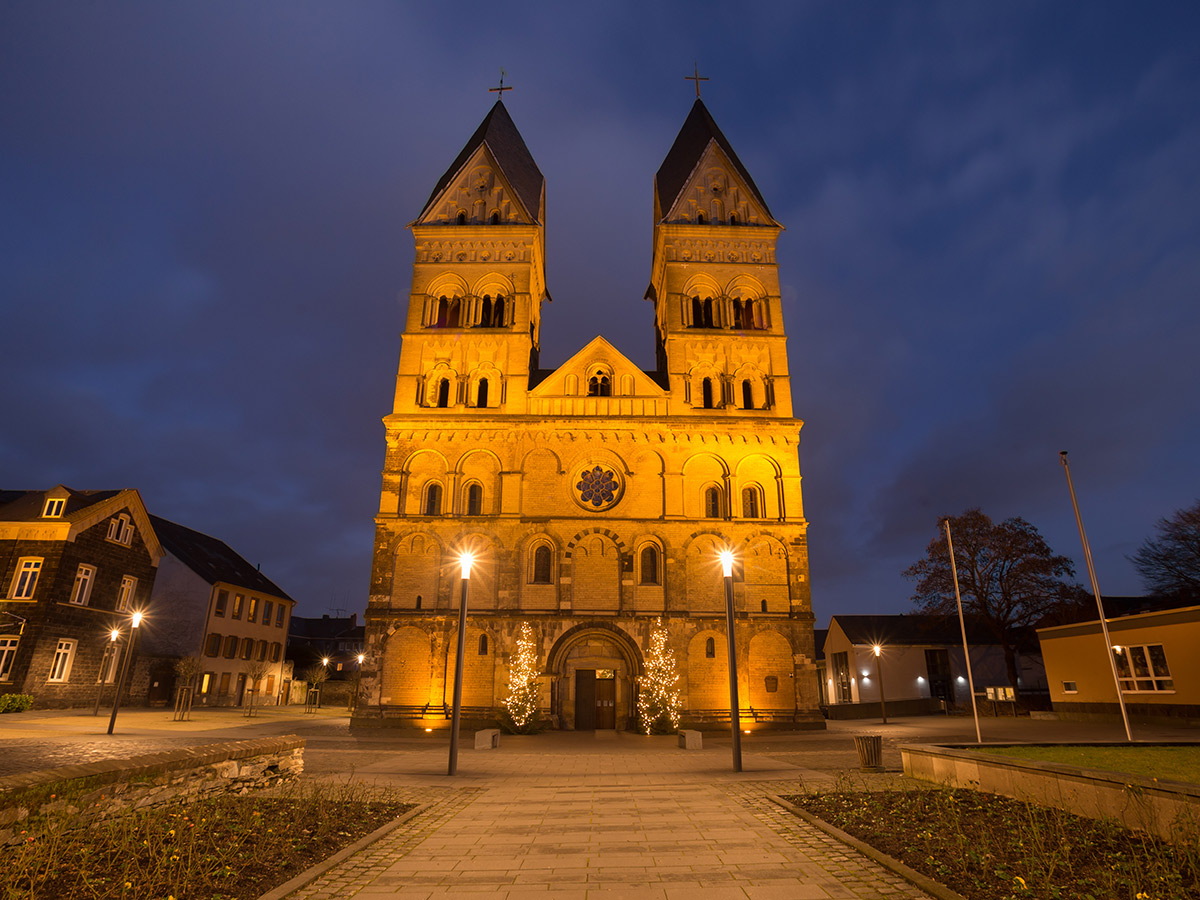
(585, 699)
(606, 699)
(240, 690)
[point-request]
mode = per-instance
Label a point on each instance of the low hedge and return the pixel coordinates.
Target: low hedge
(15, 702)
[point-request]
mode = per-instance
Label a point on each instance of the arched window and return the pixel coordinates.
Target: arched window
(738, 315)
(452, 319)
(541, 564)
(733, 218)
(764, 606)
(483, 645)
(751, 507)
(697, 313)
(474, 500)
(482, 396)
(649, 565)
(485, 312)
(699, 218)
(748, 315)
(461, 218)
(712, 503)
(600, 385)
(418, 604)
(443, 393)
(495, 218)
(707, 392)
(433, 500)
(708, 312)
(443, 312)
(710, 648)
(747, 394)
(498, 313)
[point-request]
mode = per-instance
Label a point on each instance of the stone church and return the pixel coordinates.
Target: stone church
(595, 496)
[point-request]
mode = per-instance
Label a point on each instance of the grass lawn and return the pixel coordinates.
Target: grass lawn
(1166, 763)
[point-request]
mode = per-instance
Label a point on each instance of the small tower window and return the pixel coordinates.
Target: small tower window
(461, 218)
(710, 648)
(443, 312)
(650, 565)
(494, 219)
(482, 396)
(474, 500)
(751, 508)
(763, 606)
(418, 604)
(443, 393)
(699, 218)
(733, 218)
(541, 565)
(485, 312)
(498, 313)
(452, 319)
(748, 315)
(433, 500)
(712, 503)
(600, 385)
(483, 645)
(747, 394)
(707, 392)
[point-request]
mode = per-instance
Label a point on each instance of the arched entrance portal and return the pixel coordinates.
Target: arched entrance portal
(595, 667)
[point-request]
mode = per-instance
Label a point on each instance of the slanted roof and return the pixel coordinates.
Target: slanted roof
(508, 148)
(26, 506)
(326, 627)
(916, 629)
(211, 559)
(698, 131)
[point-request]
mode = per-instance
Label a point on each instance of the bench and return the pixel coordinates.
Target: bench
(487, 739)
(691, 740)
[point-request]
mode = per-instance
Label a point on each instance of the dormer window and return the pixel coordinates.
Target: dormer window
(120, 529)
(54, 508)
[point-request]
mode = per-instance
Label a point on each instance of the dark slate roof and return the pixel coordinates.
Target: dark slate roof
(913, 629)
(693, 139)
(211, 559)
(508, 147)
(325, 627)
(1084, 610)
(25, 506)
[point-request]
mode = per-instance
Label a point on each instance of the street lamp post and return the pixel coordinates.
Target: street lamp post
(465, 560)
(135, 621)
(734, 706)
(1087, 557)
(879, 675)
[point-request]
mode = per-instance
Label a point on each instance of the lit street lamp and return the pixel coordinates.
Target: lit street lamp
(135, 620)
(734, 706)
(879, 675)
(465, 559)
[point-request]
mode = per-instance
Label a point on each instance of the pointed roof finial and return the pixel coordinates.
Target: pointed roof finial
(500, 90)
(694, 77)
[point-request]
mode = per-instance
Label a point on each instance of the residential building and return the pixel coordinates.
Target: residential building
(338, 639)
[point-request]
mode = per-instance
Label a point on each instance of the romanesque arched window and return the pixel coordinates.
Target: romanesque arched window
(498, 313)
(485, 312)
(710, 648)
(482, 394)
(418, 603)
(455, 315)
(461, 218)
(474, 500)
(747, 394)
(443, 393)
(600, 384)
(706, 390)
(733, 218)
(483, 645)
(443, 312)
(433, 500)
(764, 606)
(649, 565)
(751, 502)
(712, 503)
(541, 564)
(494, 218)
(699, 218)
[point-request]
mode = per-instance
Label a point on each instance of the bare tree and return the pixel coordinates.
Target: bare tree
(1008, 576)
(1169, 563)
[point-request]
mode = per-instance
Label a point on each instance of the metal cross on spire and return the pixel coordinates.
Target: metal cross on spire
(500, 90)
(695, 77)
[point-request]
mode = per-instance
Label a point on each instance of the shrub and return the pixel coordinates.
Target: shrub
(15, 702)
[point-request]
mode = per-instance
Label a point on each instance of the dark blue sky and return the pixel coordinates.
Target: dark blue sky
(992, 250)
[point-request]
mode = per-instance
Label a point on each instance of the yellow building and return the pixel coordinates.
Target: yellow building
(1156, 663)
(596, 495)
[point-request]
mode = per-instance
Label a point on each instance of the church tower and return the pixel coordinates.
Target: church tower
(596, 496)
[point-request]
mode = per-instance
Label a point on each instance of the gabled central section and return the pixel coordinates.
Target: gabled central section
(479, 194)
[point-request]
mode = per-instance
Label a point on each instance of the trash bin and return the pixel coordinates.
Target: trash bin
(870, 752)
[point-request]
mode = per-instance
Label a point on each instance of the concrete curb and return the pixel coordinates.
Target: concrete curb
(314, 872)
(924, 882)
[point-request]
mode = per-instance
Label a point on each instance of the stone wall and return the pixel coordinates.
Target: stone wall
(110, 787)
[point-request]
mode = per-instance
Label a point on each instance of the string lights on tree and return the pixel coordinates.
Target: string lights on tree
(658, 700)
(523, 688)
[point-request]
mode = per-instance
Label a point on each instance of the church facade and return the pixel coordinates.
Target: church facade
(595, 497)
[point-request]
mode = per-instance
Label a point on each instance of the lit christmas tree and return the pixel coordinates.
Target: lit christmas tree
(658, 701)
(522, 701)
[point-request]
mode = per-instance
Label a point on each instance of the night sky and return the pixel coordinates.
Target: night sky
(992, 250)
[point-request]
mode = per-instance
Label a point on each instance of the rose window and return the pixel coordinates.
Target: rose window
(598, 488)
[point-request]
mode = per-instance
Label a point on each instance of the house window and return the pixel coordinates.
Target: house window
(276, 650)
(1070, 687)
(710, 648)
(751, 507)
(483, 645)
(206, 682)
(840, 663)
(706, 390)
(8, 655)
(1142, 668)
(125, 593)
(108, 664)
(120, 529)
(712, 503)
(541, 564)
(222, 603)
(474, 500)
(247, 648)
(82, 591)
(223, 690)
(262, 651)
(26, 578)
(649, 563)
(54, 508)
(267, 607)
(231, 645)
(252, 614)
(238, 601)
(212, 645)
(64, 655)
(433, 500)
(279, 613)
